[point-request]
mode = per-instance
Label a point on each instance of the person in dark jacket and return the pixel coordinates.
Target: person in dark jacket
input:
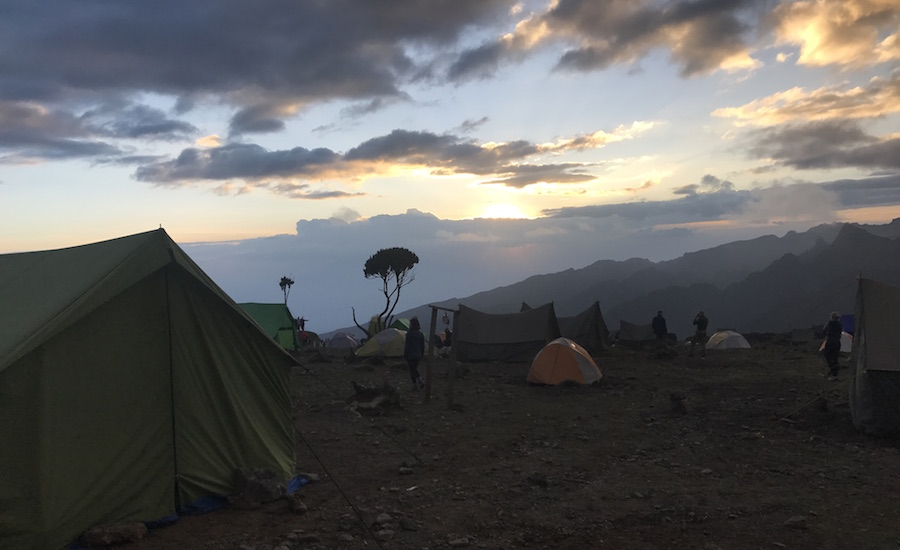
(700, 322)
(833, 331)
(414, 351)
(659, 328)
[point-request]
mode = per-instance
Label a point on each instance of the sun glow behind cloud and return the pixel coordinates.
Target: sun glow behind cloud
(502, 210)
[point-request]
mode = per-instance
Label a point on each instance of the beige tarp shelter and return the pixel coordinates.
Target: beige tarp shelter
(505, 337)
(587, 329)
(131, 386)
(563, 360)
(875, 363)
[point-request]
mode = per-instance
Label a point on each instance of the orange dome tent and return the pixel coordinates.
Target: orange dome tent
(561, 360)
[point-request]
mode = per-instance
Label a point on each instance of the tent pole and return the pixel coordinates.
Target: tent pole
(172, 388)
(430, 354)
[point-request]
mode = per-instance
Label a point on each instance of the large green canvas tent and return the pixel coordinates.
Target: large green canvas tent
(131, 386)
(505, 337)
(276, 321)
(875, 362)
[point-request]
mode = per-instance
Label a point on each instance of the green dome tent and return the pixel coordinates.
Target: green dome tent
(276, 321)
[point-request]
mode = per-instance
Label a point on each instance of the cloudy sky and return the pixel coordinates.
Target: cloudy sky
(309, 134)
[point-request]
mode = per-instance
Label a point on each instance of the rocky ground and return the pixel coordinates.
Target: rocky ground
(746, 449)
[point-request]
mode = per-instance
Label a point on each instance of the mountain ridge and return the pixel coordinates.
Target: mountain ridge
(742, 284)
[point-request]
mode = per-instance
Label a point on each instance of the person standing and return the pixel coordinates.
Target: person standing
(700, 322)
(833, 331)
(659, 328)
(414, 351)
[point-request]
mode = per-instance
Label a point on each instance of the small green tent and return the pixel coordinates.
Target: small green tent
(276, 321)
(131, 386)
(400, 324)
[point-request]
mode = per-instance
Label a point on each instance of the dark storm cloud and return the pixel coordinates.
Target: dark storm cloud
(829, 144)
(877, 191)
(471, 125)
(700, 35)
(236, 160)
(28, 131)
(304, 191)
(446, 154)
(708, 184)
(31, 131)
(138, 122)
(480, 62)
(261, 57)
(521, 176)
(696, 207)
(442, 154)
(373, 106)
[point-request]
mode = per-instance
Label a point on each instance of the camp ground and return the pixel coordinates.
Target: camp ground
(131, 387)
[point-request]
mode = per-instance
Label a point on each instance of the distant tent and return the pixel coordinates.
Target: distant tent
(846, 343)
(587, 329)
(387, 343)
(505, 337)
(727, 339)
(400, 324)
(131, 387)
(342, 340)
(848, 323)
(632, 334)
(875, 364)
(563, 360)
(376, 325)
(276, 321)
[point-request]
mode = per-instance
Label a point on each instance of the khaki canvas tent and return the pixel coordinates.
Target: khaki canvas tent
(505, 337)
(131, 387)
(587, 329)
(727, 339)
(875, 363)
(276, 321)
(635, 335)
(563, 360)
(387, 343)
(342, 340)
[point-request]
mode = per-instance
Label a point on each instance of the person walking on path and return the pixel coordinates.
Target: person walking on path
(414, 351)
(701, 322)
(659, 328)
(833, 331)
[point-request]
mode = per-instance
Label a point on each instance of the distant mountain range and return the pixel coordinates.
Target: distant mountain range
(767, 284)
